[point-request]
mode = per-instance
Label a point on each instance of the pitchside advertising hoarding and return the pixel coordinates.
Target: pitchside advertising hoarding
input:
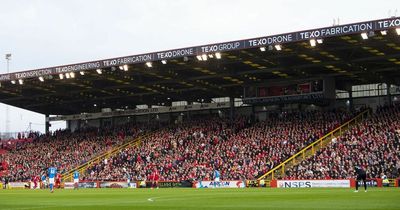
(212, 48)
(70, 185)
(371, 183)
(18, 185)
(117, 185)
(312, 183)
(221, 184)
(341, 183)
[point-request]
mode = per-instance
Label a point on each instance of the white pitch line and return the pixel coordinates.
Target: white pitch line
(174, 198)
(36, 207)
(152, 199)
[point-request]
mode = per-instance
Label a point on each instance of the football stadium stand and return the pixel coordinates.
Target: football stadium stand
(194, 150)
(311, 104)
(372, 144)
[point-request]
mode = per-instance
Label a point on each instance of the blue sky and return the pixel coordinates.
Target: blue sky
(41, 33)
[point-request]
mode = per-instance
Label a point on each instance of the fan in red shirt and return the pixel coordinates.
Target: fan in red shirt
(154, 177)
(35, 180)
(58, 180)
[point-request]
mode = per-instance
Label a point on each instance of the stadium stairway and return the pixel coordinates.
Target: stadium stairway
(68, 176)
(279, 171)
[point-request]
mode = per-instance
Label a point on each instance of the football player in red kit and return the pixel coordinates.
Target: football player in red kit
(35, 180)
(154, 177)
(58, 180)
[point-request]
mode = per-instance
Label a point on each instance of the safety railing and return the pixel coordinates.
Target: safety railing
(279, 170)
(68, 176)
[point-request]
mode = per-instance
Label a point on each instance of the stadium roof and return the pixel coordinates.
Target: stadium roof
(355, 53)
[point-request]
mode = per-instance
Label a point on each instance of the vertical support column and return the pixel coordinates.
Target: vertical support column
(148, 115)
(231, 109)
(69, 124)
(253, 114)
(388, 94)
(79, 124)
(47, 124)
(351, 105)
(189, 112)
(113, 122)
(101, 123)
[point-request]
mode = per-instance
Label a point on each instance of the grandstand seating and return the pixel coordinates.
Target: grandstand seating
(241, 150)
(62, 149)
(373, 144)
(192, 150)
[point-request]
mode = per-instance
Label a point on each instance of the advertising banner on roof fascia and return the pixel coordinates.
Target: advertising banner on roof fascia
(338, 30)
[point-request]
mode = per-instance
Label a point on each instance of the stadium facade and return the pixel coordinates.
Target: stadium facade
(254, 73)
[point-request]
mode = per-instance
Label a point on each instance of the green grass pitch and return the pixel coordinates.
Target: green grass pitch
(249, 198)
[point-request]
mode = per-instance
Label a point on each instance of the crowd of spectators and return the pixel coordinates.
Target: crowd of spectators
(238, 149)
(373, 145)
(194, 149)
(19, 138)
(61, 149)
